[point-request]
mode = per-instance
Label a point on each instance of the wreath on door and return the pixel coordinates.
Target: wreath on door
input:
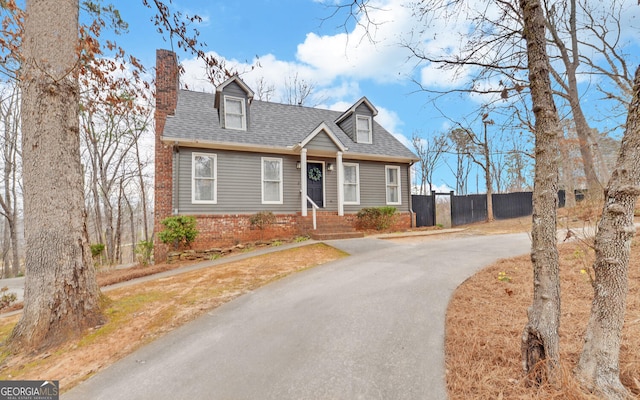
(315, 174)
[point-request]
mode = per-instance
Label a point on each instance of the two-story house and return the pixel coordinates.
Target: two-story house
(225, 156)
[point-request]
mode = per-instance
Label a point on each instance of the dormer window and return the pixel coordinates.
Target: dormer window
(235, 116)
(363, 129)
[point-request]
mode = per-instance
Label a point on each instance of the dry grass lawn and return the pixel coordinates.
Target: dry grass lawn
(142, 312)
(487, 314)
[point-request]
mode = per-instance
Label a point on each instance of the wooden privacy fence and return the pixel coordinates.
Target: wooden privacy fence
(473, 208)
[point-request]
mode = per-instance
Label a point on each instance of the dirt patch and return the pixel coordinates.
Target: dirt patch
(142, 312)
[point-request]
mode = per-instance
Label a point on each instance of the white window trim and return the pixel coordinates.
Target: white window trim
(370, 133)
(214, 178)
(281, 181)
(388, 185)
(244, 113)
(357, 184)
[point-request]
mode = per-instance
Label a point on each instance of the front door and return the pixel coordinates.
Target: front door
(315, 177)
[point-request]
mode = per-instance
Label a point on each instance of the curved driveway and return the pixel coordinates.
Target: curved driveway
(369, 326)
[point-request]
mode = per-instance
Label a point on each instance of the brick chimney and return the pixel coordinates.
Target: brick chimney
(167, 85)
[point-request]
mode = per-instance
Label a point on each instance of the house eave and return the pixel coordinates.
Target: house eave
(208, 144)
(295, 149)
(378, 157)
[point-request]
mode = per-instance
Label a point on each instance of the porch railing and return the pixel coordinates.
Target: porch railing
(314, 207)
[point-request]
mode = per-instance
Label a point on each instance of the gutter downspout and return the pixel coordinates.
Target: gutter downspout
(303, 182)
(340, 184)
(411, 212)
(176, 179)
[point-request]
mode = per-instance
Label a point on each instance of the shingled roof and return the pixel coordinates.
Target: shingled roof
(273, 126)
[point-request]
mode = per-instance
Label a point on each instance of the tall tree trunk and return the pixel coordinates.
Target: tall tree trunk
(13, 219)
(118, 230)
(571, 60)
(488, 180)
(132, 226)
(61, 293)
(567, 175)
(6, 243)
(540, 339)
(143, 191)
(598, 368)
(15, 252)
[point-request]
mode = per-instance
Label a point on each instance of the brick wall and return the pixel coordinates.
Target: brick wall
(167, 81)
(215, 231)
(227, 230)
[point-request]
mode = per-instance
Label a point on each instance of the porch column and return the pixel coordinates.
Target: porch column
(303, 181)
(340, 184)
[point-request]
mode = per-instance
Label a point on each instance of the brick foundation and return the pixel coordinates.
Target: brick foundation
(218, 231)
(229, 230)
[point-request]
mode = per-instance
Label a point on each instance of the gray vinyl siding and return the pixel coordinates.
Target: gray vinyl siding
(348, 126)
(362, 109)
(322, 142)
(373, 186)
(239, 184)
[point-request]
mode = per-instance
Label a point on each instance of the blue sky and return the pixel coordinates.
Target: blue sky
(299, 37)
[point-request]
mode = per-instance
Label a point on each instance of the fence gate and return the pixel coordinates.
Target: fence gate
(425, 209)
(468, 209)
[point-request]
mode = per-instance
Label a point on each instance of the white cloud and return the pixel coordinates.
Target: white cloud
(368, 51)
(348, 57)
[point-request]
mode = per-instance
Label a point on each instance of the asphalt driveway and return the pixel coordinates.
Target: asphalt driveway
(370, 326)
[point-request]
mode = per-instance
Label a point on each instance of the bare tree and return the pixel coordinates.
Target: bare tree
(540, 337)
(430, 152)
(477, 147)
(458, 144)
(581, 34)
(568, 82)
(264, 90)
(52, 54)
(10, 119)
(598, 368)
(297, 90)
(61, 293)
(110, 144)
(518, 165)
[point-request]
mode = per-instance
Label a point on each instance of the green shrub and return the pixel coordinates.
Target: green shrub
(378, 218)
(262, 219)
(97, 249)
(180, 231)
(144, 249)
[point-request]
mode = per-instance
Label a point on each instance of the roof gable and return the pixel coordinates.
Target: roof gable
(323, 127)
(240, 83)
(233, 81)
(354, 107)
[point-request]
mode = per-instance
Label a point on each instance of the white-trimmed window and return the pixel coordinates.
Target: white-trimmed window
(235, 116)
(271, 180)
(204, 178)
(351, 183)
(363, 129)
(392, 174)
